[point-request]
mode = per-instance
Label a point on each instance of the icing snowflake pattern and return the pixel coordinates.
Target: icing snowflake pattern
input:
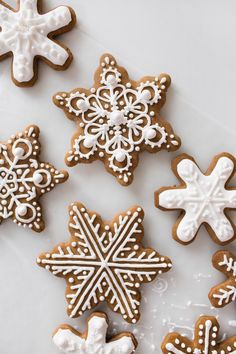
(23, 179)
(27, 34)
(117, 119)
(205, 340)
(225, 292)
(204, 198)
(104, 262)
(93, 341)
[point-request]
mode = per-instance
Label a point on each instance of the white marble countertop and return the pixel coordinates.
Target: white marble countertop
(193, 41)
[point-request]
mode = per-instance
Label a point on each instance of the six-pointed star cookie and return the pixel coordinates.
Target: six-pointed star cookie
(23, 179)
(204, 198)
(93, 341)
(104, 262)
(225, 292)
(117, 118)
(27, 35)
(205, 340)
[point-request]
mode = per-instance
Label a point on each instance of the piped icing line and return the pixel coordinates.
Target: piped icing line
(117, 119)
(104, 262)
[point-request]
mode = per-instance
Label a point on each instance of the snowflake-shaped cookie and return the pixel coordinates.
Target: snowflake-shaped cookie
(117, 118)
(205, 340)
(225, 292)
(93, 341)
(104, 262)
(23, 179)
(27, 35)
(204, 198)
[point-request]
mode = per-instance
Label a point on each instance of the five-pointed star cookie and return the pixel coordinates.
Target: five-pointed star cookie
(27, 35)
(104, 262)
(93, 341)
(203, 198)
(205, 340)
(225, 292)
(117, 118)
(23, 179)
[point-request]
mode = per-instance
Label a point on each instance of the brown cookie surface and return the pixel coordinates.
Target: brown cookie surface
(24, 179)
(206, 340)
(104, 262)
(93, 340)
(27, 34)
(225, 292)
(117, 118)
(203, 198)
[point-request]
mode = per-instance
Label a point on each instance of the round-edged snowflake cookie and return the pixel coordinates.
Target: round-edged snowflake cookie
(93, 341)
(27, 34)
(225, 292)
(117, 118)
(24, 179)
(206, 340)
(203, 198)
(104, 261)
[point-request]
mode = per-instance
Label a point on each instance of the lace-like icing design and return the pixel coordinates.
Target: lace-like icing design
(23, 179)
(104, 262)
(117, 118)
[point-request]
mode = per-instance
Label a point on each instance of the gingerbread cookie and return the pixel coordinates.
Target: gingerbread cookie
(225, 292)
(205, 340)
(203, 198)
(27, 35)
(23, 179)
(104, 262)
(117, 118)
(93, 341)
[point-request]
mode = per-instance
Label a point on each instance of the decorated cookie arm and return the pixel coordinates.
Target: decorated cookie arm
(228, 346)
(61, 16)
(67, 341)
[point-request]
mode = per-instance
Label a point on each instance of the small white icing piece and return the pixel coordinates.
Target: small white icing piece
(205, 340)
(23, 179)
(105, 262)
(202, 197)
(26, 34)
(69, 341)
(225, 292)
(117, 119)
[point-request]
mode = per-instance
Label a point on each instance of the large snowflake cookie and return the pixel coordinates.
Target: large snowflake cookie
(203, 198)
(93, 341)
(117, 118)
(225, 292)
(24, 179)
(205, 340)
(104, 262)
(28, 35)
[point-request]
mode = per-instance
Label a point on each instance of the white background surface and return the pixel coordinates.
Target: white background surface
(193, 41)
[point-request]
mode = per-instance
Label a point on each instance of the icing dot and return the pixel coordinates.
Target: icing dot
(21, 210)
(150, 133)
(111, 80)
(120, 155)
(89, 141)
(18, 152)
(116, 118)
(37, 177)
(145, 95)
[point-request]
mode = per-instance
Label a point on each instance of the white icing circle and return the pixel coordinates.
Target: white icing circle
(37, 177)
(145, 95)
(120, 155)
(111, 80)
(83, 105)
(18, 152)
(116, 118)
(21, 210)
(89, 141)
(150, 133)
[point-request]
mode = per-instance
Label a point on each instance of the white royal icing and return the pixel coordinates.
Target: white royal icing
(95, 341)
(204, 342)
(117, 119)
(226, 293)
(23, 179)
(25, 34)
(203, 199)
(105, 264)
